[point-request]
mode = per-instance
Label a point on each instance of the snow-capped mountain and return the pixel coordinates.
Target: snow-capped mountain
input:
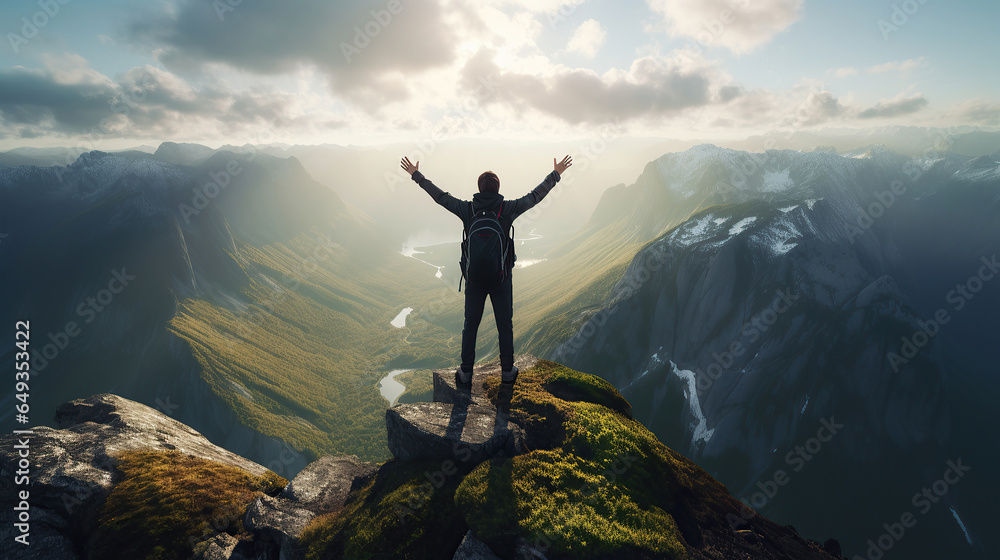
(806, 289)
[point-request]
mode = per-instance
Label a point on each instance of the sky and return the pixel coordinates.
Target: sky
(111, 74)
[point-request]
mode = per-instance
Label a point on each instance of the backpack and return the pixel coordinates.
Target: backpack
(486, 250)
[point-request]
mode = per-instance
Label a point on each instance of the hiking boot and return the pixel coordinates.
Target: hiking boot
(463, 377)
(509, 376)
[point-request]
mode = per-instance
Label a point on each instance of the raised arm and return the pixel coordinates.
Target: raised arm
(452, 204)
(526, 202)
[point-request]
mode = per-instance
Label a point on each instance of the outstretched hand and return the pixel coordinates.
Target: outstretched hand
(562, 165)
(409, 167)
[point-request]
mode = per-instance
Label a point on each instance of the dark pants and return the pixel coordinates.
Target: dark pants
(502, 298)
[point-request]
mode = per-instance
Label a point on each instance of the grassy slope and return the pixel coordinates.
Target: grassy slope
(169, 501)
(550, 300)
(309, 346)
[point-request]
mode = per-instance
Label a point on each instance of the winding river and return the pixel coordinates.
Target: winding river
(390, 388)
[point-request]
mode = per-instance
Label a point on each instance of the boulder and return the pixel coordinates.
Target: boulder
(277, 521)
(47, 538)
(219, 547)
(473, 549)
(446, 389)
(73, 468)
(462, 431)
(324, 484)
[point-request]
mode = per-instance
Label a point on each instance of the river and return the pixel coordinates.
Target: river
(390, 388)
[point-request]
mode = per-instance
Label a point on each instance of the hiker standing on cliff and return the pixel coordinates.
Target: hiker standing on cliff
(488, 257)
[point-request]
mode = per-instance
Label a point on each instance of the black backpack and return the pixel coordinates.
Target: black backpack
(486, 249)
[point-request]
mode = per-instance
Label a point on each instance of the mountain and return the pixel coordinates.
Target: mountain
(183, 153)
(822, 319)
(489, 471)
(912, 141)
(237, 294)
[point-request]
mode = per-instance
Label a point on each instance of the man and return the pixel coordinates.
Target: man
(500, 292)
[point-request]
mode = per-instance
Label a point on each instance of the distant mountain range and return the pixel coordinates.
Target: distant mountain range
(230, 290)
(747, 304)
(809, 289)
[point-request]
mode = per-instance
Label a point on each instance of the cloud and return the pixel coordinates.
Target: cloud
(587, 38)
(845, 72)
(737, 25)
(895, 107)
(898, 66)
(561, 7)
(819, 107)
(976, 111)
(367, 52)
(651, 87)
(69, 98)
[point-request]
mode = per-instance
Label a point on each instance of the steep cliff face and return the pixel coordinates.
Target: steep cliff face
(744, 333)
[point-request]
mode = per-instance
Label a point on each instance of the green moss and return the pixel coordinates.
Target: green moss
(169, 501)
(406, 512)
(597, 482)
(564, 505)
(572, 385)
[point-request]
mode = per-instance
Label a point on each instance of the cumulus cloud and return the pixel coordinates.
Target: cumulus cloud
(895, 107)
(366, 50)
(735, 24)
(652, 86)
(818, 107)
(587, 38)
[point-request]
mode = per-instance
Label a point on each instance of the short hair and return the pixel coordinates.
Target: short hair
(489, 182)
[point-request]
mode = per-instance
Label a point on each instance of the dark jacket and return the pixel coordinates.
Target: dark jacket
(509, 211)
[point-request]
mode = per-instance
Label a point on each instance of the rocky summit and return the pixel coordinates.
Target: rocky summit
(553, 466)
